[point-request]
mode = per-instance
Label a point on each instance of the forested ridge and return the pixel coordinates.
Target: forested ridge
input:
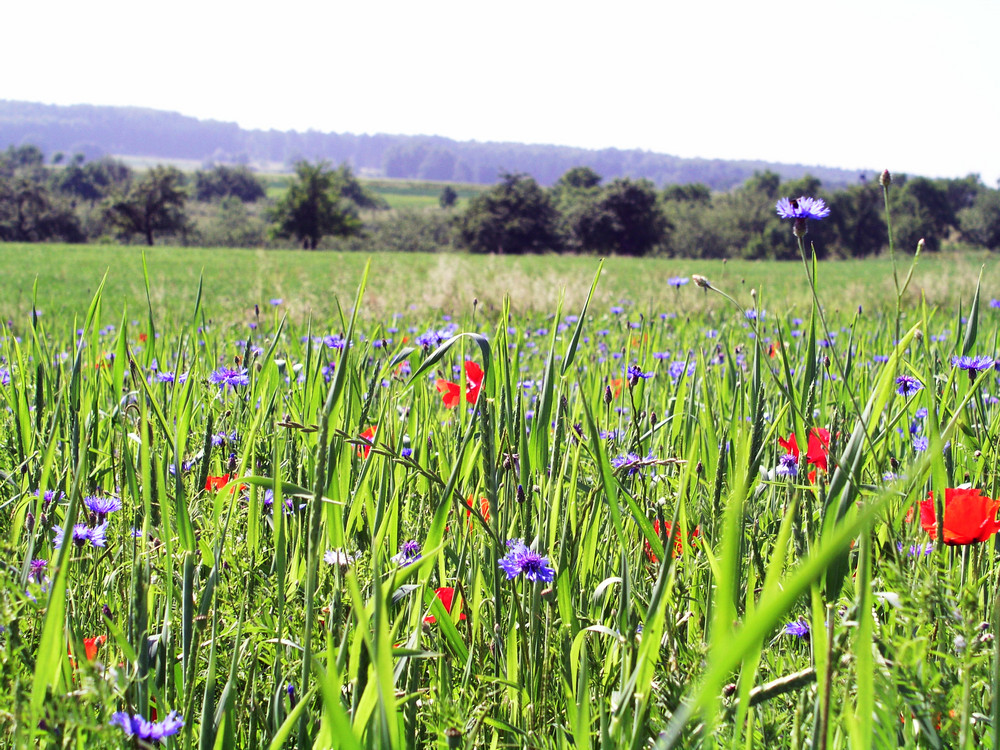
(97, 131)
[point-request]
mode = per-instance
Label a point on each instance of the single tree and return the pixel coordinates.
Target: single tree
(515, 216)
(313, 207)
(153, 203)
(448, 197)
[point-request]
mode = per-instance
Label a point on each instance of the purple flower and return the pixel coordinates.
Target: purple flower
(229, 377)
(974, 365)
(409, 552)
(920, 444)
(787, 466)
(276, 301)
(36, 572)
(83, 534)
(802, 208)
(677, 281)
(907, 385)
(102, 505)
(633, 373)
(149, 731)
(520, 559)
(995, 304)
(798, 628)
(916, 550)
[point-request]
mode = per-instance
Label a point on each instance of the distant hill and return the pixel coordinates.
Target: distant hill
(131, 131)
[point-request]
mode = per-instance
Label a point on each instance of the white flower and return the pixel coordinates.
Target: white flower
(337, 557)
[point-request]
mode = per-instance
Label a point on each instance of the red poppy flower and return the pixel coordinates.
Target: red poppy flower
(447, 597)
(616, 386)
(90, 646)
(774, 349)
(368, 435)
(214, 484)
(451, 392)
(969, 517)
(817, 450)
(143, 338)
(484, 510)
(678, 542)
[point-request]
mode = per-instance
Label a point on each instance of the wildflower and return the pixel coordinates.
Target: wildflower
(634, 373)
(974, 365)
(522, 559)
(90, 646)
(802, 208)
(969, 517)
(920, 444)
(907, 385)
(148, 731)
(36, 572)
(817, 450)
(995, 304)
(484, 509)
(275, 301)
(916, 550)
(214, 484)
(102, 506)
(677, 281)
(409, 552)
(798, 628)
(229, 377)
(446, 595)
(679, 545)
(787, 466)
(368, 436)
(337, 557)
(83, 535)
(701, 281)
(451, 392)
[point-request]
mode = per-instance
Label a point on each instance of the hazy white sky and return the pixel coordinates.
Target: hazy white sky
(912, 85)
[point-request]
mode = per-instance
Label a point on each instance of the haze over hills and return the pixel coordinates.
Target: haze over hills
(130, 131)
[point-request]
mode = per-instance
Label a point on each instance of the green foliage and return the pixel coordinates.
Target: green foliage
(622, 217)
(314, 207)
(980, 222)
(223, 181)
(153, 203)
(448, 197)
(515, 216)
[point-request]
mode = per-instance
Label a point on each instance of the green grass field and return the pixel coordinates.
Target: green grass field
(235, 280)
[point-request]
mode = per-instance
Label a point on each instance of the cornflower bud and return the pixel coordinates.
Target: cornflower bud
(701, 281)
(607, 395)
(885, 179)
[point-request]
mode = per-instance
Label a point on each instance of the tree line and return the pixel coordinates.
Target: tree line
(103, 200)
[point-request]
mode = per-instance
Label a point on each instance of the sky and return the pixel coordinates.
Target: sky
(908, 85)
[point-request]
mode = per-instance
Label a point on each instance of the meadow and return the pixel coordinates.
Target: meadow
(281, 499)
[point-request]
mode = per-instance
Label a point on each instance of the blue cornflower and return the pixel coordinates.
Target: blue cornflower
(520, 559)
(229, 377)
(102, 505)
(406, 452)
(974, 365)
(276, 301)
(678, 281)
(617, 309)
(4, 376)
(920, 413)
(920, 444)
(82, 535)
(50, 495)
(907, 385)
(802, 208)
(798, 628)
(995, 304)
(148, 731)
(788, 466)
(916, 549)
(409, 552)
(36, 573)
(633, 373)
